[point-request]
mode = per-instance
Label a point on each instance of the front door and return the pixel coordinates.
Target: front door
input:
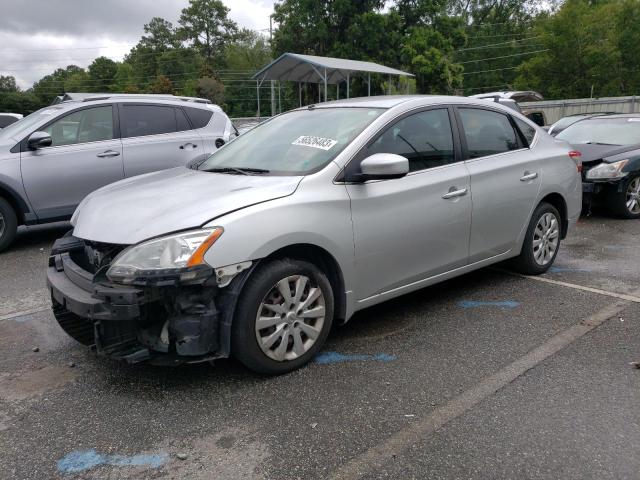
(157, 137)
(414, 227)
(85, 155)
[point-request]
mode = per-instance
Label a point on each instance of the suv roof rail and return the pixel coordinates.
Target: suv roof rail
(99, 96)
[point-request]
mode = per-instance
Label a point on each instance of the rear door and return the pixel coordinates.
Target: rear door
(415, 227)
(85, 155)
(505, 180)
(156, 137)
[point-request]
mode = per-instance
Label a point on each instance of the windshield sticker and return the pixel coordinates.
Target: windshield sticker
(315, 142)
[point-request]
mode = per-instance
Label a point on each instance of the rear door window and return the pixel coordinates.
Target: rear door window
(487, 132)
(142, 120)
(199, 116)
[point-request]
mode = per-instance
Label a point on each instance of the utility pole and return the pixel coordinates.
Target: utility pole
(273, 83)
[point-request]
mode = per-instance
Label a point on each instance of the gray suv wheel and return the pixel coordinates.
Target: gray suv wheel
(8, 224)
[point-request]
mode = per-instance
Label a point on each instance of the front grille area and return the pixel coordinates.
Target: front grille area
(95, 255)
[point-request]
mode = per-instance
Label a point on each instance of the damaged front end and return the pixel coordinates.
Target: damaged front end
(167, 319)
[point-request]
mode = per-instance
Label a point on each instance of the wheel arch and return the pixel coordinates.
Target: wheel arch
(16, 202)
(559, 202)
(323, 260)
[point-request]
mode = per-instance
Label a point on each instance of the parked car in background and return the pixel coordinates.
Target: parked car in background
(610, 148)
(50, 160)
(305, 219)
(7, 119)
(564, 122)
(511, 99)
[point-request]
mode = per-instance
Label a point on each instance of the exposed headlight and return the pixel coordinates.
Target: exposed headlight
(608, 171)
(172, 255)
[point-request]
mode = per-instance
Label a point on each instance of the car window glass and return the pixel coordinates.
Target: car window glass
(424, 138)
(6, 120)
(527, 130)
(82, 126)
(181, 120)
(487, 132)
(199, 116)
(141, 120)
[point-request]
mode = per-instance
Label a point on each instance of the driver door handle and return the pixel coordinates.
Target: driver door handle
(108, 153)
(454, 193)
(528, 176)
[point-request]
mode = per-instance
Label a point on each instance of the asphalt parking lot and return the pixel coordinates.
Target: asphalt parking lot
(490, 375)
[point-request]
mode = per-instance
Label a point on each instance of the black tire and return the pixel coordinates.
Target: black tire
(526, 262)
(617, 201)
(8, 224)
(244, 341)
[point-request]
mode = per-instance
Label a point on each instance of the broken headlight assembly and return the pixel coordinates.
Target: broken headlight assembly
(608, 171)
(178, 256)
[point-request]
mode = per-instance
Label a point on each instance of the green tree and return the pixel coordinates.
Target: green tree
(206, 25)
(160, 35)
(210, 88)
(78, 82)
(8, 84)
(53, 84)
(162, 85)
(102, 72)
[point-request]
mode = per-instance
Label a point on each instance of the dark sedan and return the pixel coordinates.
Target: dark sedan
(610, 148)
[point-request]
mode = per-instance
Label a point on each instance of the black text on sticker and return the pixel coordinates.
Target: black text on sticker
(315, 142)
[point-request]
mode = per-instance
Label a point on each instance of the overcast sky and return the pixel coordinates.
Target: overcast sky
(38, 36)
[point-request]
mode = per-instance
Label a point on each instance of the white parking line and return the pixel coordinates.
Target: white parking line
(22, 313)
(381, 454)
(621, 296)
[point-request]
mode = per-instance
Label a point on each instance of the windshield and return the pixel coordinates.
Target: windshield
(23, 126)
(296, 143)
(610, 131)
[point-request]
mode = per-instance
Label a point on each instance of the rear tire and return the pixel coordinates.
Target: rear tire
(541, 243)
(8, 224)
(283, 317)
(626, 204)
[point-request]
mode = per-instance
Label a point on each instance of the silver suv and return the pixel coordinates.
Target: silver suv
(50, 160)
(304, 220)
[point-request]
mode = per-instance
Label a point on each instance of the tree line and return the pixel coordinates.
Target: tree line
(563, 49)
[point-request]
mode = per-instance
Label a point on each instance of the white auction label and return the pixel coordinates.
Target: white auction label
(315, 142)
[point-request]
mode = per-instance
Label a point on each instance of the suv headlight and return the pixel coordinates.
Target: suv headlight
(608, 171)
(179, 254)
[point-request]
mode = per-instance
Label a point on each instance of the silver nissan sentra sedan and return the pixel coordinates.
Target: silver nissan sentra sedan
(317, 213)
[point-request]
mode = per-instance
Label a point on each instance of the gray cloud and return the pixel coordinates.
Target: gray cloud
(38, 36)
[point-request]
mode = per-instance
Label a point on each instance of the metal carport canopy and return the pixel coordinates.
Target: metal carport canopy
(294, 67)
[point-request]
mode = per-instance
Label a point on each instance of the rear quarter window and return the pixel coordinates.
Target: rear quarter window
(528, 132)
(199, 117)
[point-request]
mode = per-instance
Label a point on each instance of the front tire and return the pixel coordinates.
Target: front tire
(8, 224)
(283, 317)
(541, 243)
(626, 204)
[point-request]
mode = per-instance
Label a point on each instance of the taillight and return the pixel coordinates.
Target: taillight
(576, 155)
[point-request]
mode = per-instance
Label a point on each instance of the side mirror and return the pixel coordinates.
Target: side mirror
(381, 166)
(39, 140)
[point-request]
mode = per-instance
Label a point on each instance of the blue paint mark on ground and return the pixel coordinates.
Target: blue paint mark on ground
(325, 358)
(500, 304)
(567, 269)
(82, 460)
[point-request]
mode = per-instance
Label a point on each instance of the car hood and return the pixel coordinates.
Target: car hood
(592, 152)
(139, 208)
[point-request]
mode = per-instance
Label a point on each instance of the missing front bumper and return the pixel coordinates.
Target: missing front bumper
(171, 323)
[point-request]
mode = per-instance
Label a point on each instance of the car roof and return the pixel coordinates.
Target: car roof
(390, 101)
(613, 116)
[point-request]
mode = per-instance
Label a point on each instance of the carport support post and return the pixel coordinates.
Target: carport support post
(258, 91)
(325, 84)
(389, 84)
(369, 85)
(337, 91)
(300, 93)
(347, 86)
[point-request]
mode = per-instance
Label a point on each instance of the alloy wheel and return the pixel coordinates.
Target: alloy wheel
(3, 225)
(633, 196)
(545, 239)
(290, 318)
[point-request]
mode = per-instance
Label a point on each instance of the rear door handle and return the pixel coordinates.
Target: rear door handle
(108, 153)
(452, 193)
(193, 145)
(528, 176)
